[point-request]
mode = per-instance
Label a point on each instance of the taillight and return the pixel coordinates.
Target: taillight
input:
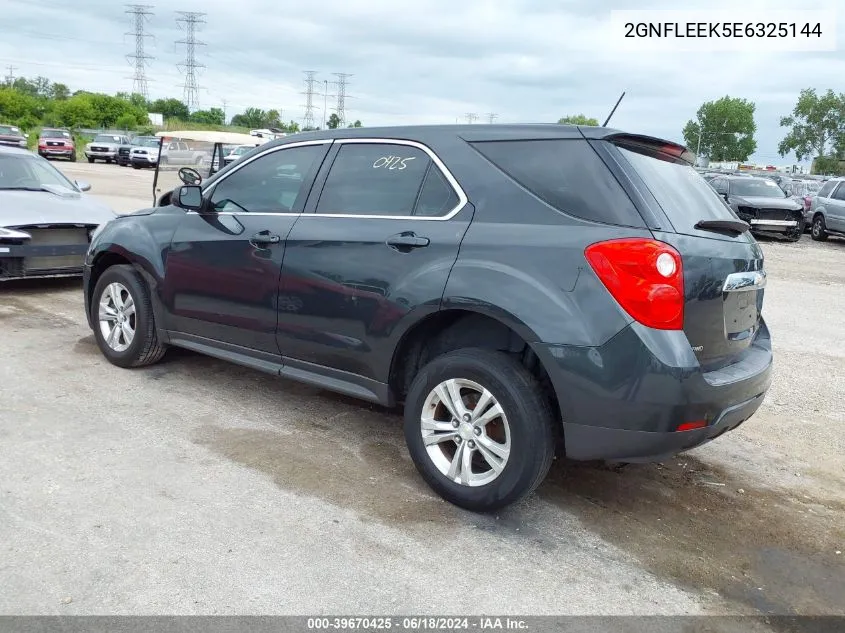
(645, 277)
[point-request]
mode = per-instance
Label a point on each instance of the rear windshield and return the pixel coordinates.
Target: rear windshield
(683, 194)
(756, 188)
(567, 175)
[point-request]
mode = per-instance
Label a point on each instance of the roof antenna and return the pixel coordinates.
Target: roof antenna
(614, 110)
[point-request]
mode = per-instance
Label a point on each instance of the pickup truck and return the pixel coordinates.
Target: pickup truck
(173, 153)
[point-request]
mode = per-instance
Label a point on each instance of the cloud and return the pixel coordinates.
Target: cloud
(423, 62)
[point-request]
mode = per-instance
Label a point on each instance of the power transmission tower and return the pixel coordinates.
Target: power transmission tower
(10, 78)
(471, 117)
(191, 20)
(310, 82)
(491, 117)
(341, 95)
(140, 14)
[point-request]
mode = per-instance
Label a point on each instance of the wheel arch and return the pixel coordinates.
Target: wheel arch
(456, 328)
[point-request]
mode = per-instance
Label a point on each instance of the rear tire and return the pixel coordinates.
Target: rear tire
(127, 334)
(73, 158)
(90, 160)
(519, 438)
(819, 230)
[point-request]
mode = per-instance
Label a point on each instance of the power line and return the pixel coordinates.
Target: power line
(310, 82)
(191, 19)
(10, 78)
(471, 117)
(140, 13)
(341, 84)
(491, 117)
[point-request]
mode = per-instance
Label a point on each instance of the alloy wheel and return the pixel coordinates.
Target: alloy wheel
(117, 317)
(465, 432)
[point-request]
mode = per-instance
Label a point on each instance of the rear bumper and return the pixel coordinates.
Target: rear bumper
(626, 399)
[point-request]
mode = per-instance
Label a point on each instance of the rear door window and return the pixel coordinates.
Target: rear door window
(566, 174)
(839, 194)
(827, 189)
(685, 197)
(374, 179)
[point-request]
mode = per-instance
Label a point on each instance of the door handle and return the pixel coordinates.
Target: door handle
(264, 238)
(407, 241)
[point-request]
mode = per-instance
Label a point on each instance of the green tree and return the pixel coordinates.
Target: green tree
(817, 125)
(78, 111)
(170, 109)
(126, 121)
(272, 119)
(292, 127)
(333, 122)
(578, 119)
(17, 107)
(356, 124)
(60, 92)
(723, 130)
(213, 116)
(251, 118)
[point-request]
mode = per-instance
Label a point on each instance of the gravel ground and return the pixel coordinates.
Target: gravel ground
(195, 486)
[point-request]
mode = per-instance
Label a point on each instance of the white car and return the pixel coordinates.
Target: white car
(236, 153)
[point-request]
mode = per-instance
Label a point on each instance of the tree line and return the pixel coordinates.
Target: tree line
(39, 102)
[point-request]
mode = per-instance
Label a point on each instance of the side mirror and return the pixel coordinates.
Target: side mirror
(82, 185)
(187, 197)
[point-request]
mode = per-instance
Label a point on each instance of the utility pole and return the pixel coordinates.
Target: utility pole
(224, 112)
(310, 81)
(140, 14)
(341, 84)
(491, 117)
(325, 102)
(10, 78)
(191, 20)
(471, 117)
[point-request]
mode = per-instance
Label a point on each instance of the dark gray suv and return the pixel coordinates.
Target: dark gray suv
(517, 288)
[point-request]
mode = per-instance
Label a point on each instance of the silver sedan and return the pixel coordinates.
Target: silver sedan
(46, 221)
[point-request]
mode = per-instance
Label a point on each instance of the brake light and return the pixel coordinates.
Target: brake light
(645, 277)
(691, 426)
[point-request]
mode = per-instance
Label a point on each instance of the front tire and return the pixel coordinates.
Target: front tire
(124, 324)
(819, 231)
(479, 429)
(90, 160)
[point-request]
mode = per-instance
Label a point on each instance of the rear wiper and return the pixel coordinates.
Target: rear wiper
(730, 226)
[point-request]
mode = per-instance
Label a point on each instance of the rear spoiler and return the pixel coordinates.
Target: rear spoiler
(653, 146)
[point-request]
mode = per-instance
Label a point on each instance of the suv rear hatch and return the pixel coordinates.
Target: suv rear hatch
(724, 278)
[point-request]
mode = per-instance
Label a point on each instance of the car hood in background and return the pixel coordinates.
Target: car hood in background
(761, 202)
(18, 208)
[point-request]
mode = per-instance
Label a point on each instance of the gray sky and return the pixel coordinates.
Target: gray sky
(425, 61)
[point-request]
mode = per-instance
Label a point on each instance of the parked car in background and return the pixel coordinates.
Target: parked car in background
(236, 153)
(56, 143)
(782, 180)
(763, 204)
(172, 153)
(123, 152)
(827, 212)
(803, 191)
(46, 223)
(12, 135)
(511, 285)
(105, 147)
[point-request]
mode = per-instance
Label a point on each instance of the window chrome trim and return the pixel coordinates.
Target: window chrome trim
(462, 197)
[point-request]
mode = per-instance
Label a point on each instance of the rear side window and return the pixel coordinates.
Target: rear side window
(683, 194)
(566, 174)
(839, 194)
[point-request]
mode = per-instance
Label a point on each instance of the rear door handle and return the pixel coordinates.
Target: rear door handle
(407, 241)
(263, 238)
